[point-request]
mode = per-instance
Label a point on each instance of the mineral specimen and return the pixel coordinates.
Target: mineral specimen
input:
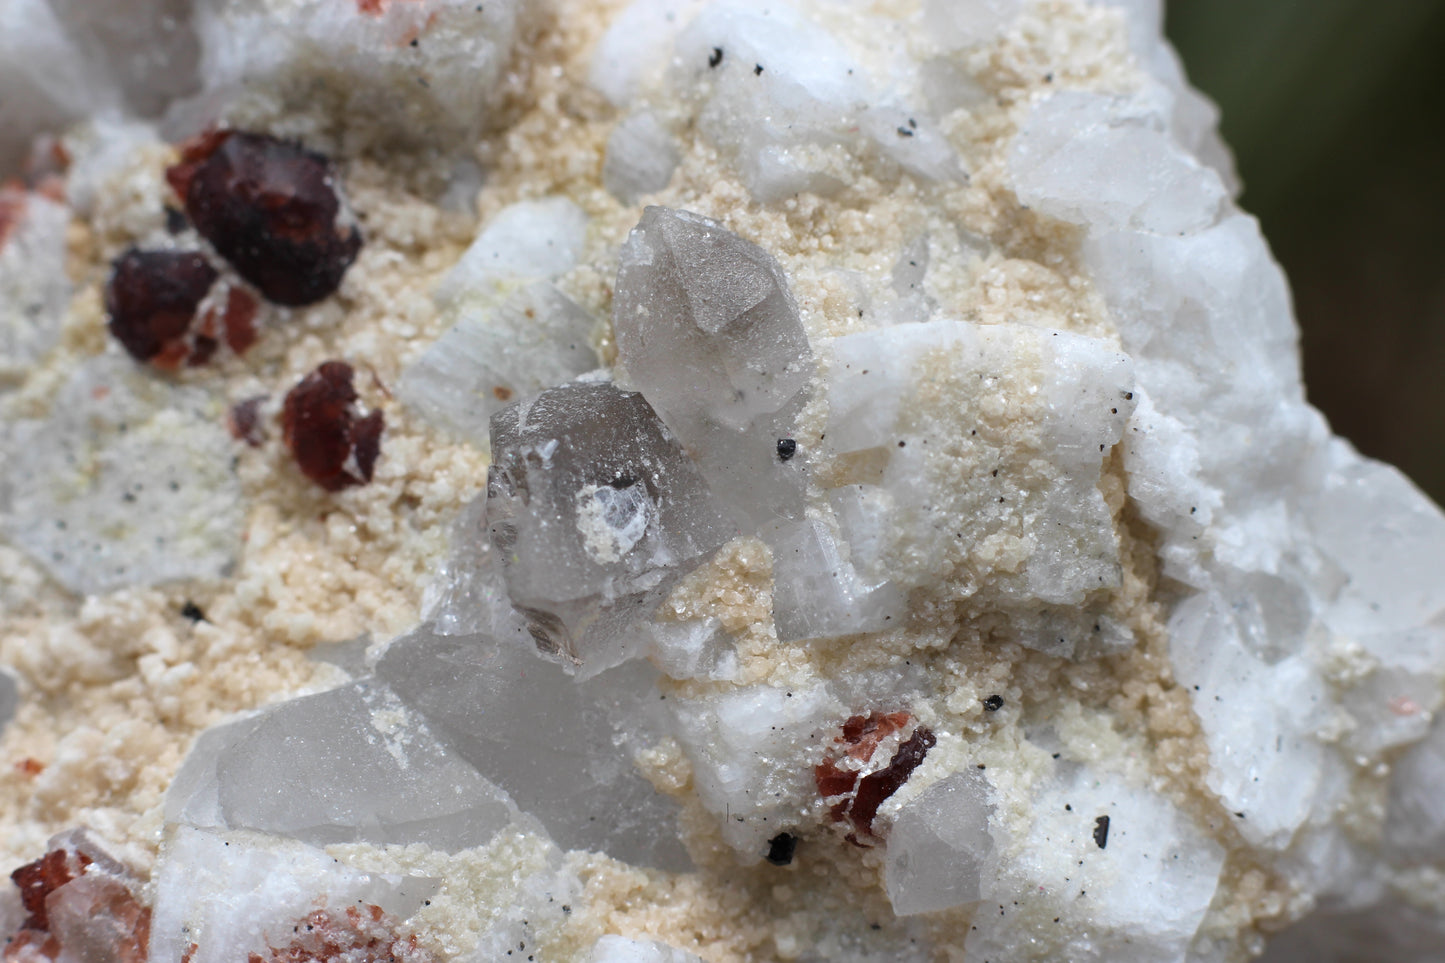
(273, 210)
(595, 513)
(709, 333)
(334, 444)
(851, 497)
(153, 298)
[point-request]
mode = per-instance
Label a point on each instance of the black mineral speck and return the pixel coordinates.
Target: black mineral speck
(273, 209)
(1101, 831)
(993, 703)
(787, 448)
(193, 612)
(716, 57)
(781, 848)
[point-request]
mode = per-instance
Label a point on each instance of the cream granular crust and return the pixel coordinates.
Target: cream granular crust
(116, 688)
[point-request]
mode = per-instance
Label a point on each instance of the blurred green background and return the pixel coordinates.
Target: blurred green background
(1335, 110)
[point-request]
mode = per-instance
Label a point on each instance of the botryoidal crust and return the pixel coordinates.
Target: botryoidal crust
(588, 480)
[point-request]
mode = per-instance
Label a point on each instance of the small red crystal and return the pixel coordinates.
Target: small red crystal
(359, 934)
(194, 153)
(334, 444)
(858, 789)
(244, 421)
(152, 300)
(272, 209)
(39, 879)
(80, 906)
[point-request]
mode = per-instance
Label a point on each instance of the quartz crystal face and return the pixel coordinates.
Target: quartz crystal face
(709, 333)
(679, 480)
(595, 512)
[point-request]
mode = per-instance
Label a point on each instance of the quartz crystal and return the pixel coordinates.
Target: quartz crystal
(561, 749)
(709, 333)
(33, 284)
(594, 512)
(279, 773)
(685, 480)
(538, 337)
(137, 489)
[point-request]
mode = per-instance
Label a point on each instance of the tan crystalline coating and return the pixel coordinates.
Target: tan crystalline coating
(119, 686)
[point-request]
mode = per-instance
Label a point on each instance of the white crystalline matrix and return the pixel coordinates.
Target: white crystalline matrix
(679, 480)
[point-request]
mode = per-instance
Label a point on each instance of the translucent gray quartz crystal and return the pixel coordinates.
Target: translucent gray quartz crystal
(709, 333)
(346, 765)
(595, 513)
(561, 747)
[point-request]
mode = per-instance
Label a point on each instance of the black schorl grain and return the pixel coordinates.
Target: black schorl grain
(1101, 831)
(781, 848)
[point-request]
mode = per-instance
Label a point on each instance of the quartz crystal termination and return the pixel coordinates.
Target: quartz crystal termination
(595, 513)
(708, 331)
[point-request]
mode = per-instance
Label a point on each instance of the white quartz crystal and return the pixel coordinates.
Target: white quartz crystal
(1066, 163)
(563, 750)
(939, 845)
(619, 949)
(219, 894)
(414, 71)
(125, 480)
(523, 241)
(1134, 888)
(641, 156)
(708, 331)
(595, 512)
(34, 288)
(536, 338)
(753, 749)
(794, 108)
(47, 81)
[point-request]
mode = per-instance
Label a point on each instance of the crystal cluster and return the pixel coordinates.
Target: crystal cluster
(850, 495)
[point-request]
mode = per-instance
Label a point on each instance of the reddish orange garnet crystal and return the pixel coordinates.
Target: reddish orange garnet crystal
(334, 444)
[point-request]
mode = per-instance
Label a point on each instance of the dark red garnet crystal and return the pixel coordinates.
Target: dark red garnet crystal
(334, 444)
(152, 299)
(272, 209)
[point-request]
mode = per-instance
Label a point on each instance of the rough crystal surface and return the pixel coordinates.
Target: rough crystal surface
(795, 108)
(538, 337)
(415, 70)
(619, 949)
(33, 284)
(1134, 888)
(125, 480)
(220, 894)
